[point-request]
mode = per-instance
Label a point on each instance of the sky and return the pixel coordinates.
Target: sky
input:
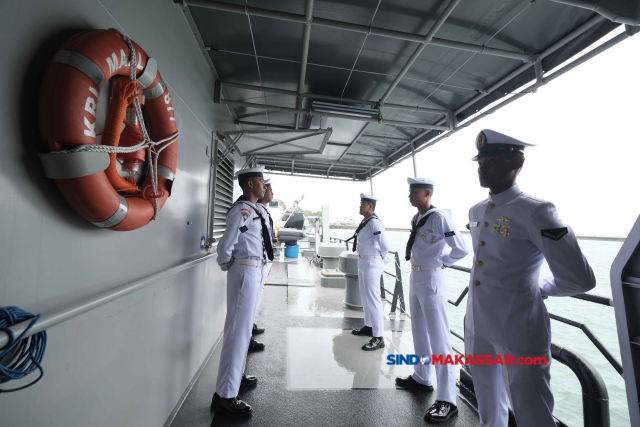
(585, 125)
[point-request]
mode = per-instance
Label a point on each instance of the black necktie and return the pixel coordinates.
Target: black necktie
(270, 221)
(360, 227)
(266, 238)
(414, 231)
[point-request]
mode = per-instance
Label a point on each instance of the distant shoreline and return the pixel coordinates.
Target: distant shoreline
(601, 238)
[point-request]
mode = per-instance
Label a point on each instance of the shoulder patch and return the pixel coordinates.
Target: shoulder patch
(377, 232)
(555, 233)
(243, 229)
(245, 213)
(449, 233)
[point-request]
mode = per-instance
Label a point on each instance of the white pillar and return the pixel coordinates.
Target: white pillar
(415, 168)
(326, 230)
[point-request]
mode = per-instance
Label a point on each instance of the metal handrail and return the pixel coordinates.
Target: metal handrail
(595, 397)
(54, 317)
(584, 328)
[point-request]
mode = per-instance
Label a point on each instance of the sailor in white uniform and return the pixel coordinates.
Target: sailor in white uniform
(371, 243)
(243, 251)
(434, 243)
(513, 233)
(262, 203)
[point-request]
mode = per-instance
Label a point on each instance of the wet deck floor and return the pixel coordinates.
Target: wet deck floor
(312, 372)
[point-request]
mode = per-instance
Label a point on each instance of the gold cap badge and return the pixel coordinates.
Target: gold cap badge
(481, 140)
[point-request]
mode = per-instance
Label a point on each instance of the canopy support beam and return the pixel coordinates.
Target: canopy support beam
(363, 29)
(308, 16)
(339, 116)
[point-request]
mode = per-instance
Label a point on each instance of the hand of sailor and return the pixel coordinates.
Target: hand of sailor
(571, 272)
(386, 259)
(225, 266)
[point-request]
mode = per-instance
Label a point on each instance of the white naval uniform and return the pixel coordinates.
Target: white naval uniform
(372, 248)
(241, 240)
(512, 234)
(428, 293)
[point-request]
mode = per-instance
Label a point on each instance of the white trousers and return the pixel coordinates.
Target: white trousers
(244, 287)
(525, 386)
(369, 273)
(430, 328)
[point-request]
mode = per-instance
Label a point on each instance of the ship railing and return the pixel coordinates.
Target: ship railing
(595, 397)
(596, 299)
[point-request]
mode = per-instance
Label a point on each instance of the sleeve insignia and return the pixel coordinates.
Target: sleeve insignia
(449, 233)
(245, 213)
(555, 233)
(243, 229)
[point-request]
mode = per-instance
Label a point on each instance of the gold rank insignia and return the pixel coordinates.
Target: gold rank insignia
(503, 219)
(496, 229)
(433, 239)
(505, 230)
(428, 231)
(481, 140)
(424, 236)
(366, 230)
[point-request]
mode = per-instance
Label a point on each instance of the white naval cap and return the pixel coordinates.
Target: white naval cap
(256, 172)
(420, 182)
(368, 198)
(490, 142)
(267, 182)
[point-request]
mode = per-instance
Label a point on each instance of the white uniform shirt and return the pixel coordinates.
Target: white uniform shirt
(243, 237)
(512, 233)
(372, 239)
(430, 246)
(266, 215)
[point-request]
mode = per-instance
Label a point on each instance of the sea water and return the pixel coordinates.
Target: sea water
(600, 319)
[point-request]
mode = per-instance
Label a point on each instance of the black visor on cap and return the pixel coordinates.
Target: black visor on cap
(495, 149)
(250, 175)
(420, 185)
(368, 200)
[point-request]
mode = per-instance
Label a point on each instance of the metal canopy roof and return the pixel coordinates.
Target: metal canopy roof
(426, 64)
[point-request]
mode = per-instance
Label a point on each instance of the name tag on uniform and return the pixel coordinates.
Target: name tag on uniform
(377, 232)
(473, 224)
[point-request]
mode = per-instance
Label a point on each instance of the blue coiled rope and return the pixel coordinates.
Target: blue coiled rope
(20, 357)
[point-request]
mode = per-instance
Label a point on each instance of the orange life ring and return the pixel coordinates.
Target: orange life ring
(67, 118)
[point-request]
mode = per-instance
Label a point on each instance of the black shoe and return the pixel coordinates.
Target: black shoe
(440, 412)
(248, 381)
(256, 330)
(374, 344)
(232, 407)
(255, 345)
(364, 331)
(409, 382)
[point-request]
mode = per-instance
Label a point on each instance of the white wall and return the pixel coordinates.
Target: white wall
(126, 363)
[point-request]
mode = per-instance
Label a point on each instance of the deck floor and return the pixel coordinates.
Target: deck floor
(313, 373)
